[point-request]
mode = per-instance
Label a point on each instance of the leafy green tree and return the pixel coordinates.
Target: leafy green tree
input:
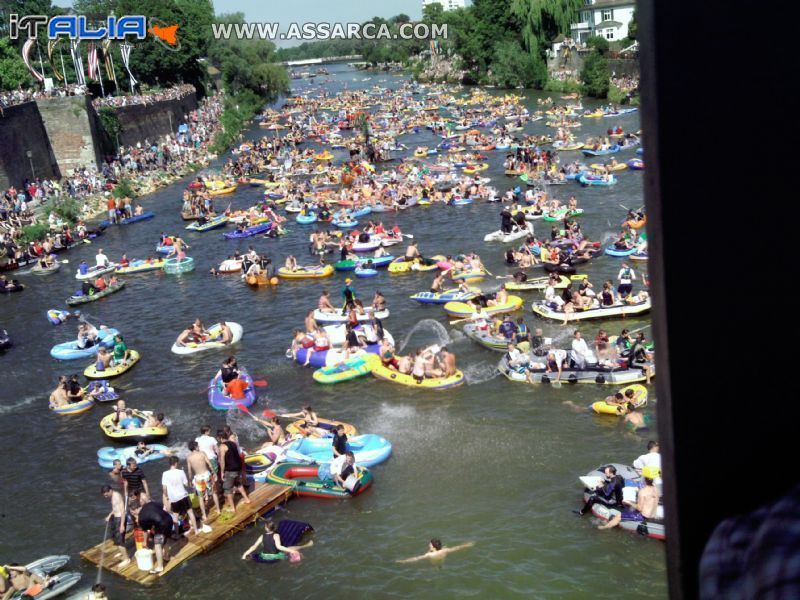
(512, 66)
(543, 20)
(401, 18)
(13, 72)
(248, 65)
(595, 76)
(633, 27)
(599, 43)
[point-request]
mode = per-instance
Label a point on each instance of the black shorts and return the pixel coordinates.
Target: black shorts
(116, 535)
(182, 506)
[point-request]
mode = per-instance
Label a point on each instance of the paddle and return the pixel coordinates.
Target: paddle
(460, 320)
(408, 235)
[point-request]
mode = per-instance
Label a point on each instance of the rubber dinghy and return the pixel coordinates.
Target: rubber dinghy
(486, 339)
(369, 449)
(76, 299)
(95, 272)
(70, 351)
(305, 481)
(463, 310)
(454, 295)
(326, 318)
(218, 400)
(108, 454)
(622, 310)
(349, 369)
(601, 375)
(539, 283)
(430, 383)
(601, 407)
(631, 521)
(212, 343)
(516, 234)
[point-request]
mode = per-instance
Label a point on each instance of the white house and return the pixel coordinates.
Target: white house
(606, 18)
(448, 4)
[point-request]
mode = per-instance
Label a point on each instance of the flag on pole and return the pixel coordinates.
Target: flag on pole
(94, 65)
(109, 61)
(77, 60)
(125, 51)
(51, 46)
(26, 50)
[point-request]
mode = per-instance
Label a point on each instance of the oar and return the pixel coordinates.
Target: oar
(460, 320)
(408, 235)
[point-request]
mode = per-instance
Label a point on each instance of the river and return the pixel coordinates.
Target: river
(493, 461)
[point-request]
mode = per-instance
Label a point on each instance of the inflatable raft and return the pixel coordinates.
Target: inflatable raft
(108, 454)
(212, 343)
(141, 266)
(462, 310)
(652, 528)
(74, 408)
(369, 449)
(589, 374)
(70, 351)
(431, 383)
(144, 434)
(350, 265)
(218, 400)
(325, 318)
(95, 272)
(601, 407)
(304, 480)
(516, 234)
(539, 283)
(297, 428)
(306, 272)
(349, 369)
(454, 295)
(83, 299)
(486, 339)
(249, 232)
(91, 371)
(214, 223)
(39, 270)
(176, 266)
(622, 310)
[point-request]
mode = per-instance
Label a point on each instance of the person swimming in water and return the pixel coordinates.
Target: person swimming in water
(436, 550)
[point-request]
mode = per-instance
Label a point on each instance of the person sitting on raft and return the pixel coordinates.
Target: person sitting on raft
(58, 397)
(17, 582)
(608, 492)
(272, 548)
(436, 550)
(412, 252)
(310, 424)
(646, 506)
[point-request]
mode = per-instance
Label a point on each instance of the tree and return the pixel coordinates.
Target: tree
(598, 43)
(512, 66)
(13, 72)
(633, 27)
(543, 20)
(595, 76)
(401, 18)
(248, 65)
(151, 62)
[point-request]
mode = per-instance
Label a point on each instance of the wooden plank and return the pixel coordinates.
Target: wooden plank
(264, 498)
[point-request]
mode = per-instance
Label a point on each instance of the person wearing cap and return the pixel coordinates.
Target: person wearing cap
(349, 294)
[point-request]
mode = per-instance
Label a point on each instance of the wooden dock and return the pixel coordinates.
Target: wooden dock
(263, 499)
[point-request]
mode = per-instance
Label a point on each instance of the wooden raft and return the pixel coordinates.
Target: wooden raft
(263, 499)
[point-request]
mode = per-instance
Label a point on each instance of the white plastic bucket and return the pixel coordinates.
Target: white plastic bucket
(144, 559)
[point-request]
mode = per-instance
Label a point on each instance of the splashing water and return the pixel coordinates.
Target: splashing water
(244, 426)
(27, 401)
(608, 236)
(181, 450)
(480, 373)
(427, 325)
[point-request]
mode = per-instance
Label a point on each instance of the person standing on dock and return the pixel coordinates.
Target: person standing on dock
(203, 476)
(117, 522)
(174, 484)
(230, 463)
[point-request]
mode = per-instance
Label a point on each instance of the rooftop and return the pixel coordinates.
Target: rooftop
(613, 3)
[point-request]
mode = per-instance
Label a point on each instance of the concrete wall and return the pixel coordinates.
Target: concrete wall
(71, 125)
(21, 129)
(151, 121)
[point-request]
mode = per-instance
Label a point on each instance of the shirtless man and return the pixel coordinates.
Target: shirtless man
(436, 550)
(412, 252)
(117, 523)
(324, 303)
(646, 506)
(59, 396)
(227, 334)
(448, 361)
(201, 474)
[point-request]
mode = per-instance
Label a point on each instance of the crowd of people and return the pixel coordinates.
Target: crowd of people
(12, 97)
(146, 165)
(171, 93)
